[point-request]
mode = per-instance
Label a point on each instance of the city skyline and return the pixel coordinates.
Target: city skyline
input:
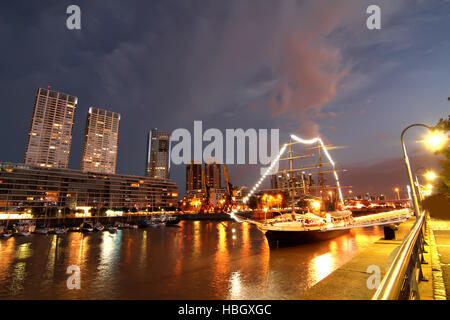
(260, 78)
(422, 159)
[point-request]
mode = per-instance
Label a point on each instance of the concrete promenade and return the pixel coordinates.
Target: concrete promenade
(349, 282)
(440, 239)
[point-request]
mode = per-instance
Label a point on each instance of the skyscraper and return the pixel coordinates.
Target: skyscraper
(158, 154)
(100, 141)
(50, 134)
(213, 176)
(193, 176)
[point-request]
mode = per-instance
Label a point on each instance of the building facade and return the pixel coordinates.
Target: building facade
(101, 137)
(158, 154)
(50, 135)
(216, 195)
(24, 187)
(213, 175)
(193, 176)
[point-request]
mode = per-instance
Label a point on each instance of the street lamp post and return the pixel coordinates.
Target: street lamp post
(408, 167)
(434, 141)
(417, 182)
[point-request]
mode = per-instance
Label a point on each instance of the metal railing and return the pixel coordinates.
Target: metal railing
(403, 276)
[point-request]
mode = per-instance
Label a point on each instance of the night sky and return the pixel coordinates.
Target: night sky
(305, 67)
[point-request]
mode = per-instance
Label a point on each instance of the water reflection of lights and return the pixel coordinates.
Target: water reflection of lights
(196, 240)
(143, 255)
(222, 257)
(323, 266)
(110, 249)
(51, 259)
(333, 246)
(7, 253)
(24, 251)
(222, 237)
(18, 277)
(235, 285)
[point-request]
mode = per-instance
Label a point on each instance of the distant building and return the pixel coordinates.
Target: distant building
(101, 136)
(194, 194)
(216, 195)
(23, 186)
(280, 181)
(158, 154)
(193, 176)
(213, 175)
(50, 134)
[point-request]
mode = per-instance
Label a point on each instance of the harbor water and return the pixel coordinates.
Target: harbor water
(195, 260)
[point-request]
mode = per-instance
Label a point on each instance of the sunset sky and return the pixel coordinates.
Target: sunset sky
(305, 67)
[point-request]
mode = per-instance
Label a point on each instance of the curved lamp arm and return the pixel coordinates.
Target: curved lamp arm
(408, 167)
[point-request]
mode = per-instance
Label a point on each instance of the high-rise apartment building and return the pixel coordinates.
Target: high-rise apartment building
(101, 136)
(158, 154)
(213, 176)
(193, 176)
(50, 135)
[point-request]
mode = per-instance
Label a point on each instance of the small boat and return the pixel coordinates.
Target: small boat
(112, 229)
(25, 228)
(41, 230)
(86, 227)
(23, 233)
(99, 227)
(143, 224)
(133, 226)
(74, 229)
(157, 221)
(172, 221)
(7, 234)
(60, 230)
(119, 225)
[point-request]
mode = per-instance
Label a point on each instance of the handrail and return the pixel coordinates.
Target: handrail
(391, 286)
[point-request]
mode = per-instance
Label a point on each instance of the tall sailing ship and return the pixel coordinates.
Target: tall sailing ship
(317, 210)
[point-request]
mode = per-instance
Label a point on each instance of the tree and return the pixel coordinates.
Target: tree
(444, 185)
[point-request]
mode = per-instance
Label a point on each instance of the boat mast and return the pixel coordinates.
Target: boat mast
(291, 172)
(321, 177)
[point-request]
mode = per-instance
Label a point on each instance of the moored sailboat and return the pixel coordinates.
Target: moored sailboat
(320, 216)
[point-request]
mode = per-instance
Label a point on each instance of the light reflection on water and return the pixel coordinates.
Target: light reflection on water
(197, 260)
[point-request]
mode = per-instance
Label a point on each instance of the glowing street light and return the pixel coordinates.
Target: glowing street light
(398, 193)
(430, 175)
(435, 139)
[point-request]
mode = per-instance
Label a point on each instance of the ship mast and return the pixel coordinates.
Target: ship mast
(291, 173)
(321, 176)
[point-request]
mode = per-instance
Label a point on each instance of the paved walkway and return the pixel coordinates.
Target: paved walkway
(349, 282)
(441, 231)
